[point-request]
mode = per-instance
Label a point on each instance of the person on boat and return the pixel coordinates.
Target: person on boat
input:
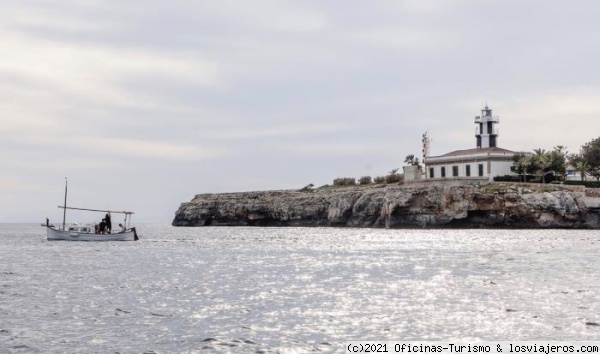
(108, 222)
(123, 229)
(103, 226)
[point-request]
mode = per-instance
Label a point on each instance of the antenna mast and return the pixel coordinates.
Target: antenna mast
(426, 142)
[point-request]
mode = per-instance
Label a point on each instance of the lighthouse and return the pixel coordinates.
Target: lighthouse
(480, 163)
(486, 133)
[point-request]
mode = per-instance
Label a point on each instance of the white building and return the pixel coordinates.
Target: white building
(573, 175)
(485, 160)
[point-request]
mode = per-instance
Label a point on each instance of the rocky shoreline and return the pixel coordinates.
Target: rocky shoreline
(433, 205)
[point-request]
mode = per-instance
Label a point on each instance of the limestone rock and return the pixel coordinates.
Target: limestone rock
(425, 205)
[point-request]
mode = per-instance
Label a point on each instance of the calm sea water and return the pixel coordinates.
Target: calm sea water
(293, 290)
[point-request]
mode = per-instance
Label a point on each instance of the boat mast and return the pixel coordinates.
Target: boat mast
(65, 205)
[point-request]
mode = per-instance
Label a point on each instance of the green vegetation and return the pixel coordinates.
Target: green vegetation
(392, 177)
(580, 164)
(344, 181)
(590, 153)
(379, 180)
(307, 188)
(364, 180)
(507, 178)
(412, 161)
(587, 184)
(539, 166)
(545, 166)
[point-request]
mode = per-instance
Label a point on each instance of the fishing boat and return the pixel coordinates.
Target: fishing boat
(90, 232)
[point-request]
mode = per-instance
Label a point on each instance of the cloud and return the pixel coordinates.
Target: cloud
(421, 7)
(124, 148)
(563, 117)
(278, 92)
(68, 16)
(277, 131)
(266, 15)
(406, 38)
(94, 73)
(331, 148)
(11, 183)
(149, 149)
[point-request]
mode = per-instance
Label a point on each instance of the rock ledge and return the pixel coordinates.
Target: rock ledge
(463, 206)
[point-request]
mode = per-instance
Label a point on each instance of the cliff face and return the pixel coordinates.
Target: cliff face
(494, 205)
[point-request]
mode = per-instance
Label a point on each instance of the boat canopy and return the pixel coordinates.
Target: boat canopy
(99, 210)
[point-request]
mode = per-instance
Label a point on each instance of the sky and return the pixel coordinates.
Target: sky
(143, 104)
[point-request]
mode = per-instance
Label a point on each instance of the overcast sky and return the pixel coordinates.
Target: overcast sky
(143, 104)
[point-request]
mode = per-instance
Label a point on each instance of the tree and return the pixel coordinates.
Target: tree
(579, 163)
(522, 164)
(541, 161)
(558, 161)
(591, 154)
(412, 160)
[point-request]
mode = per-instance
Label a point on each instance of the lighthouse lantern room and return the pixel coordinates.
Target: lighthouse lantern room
(486, 132)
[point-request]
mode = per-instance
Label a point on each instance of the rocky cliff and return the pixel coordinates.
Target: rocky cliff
(429, 205)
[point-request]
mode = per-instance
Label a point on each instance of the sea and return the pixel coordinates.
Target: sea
(294, 290)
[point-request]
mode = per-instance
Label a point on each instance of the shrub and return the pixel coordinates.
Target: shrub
(587, 184)
(507, 178)
(379, 180)
(344, 181)
(549, 178)
(364, 180)
(307, 188)
(394, 178)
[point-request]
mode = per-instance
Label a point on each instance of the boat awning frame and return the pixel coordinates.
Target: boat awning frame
(98, 210)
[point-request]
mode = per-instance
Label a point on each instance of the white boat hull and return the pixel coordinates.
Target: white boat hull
(62, 235)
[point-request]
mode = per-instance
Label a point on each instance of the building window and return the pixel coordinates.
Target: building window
(468, 170)
(480, 166)
(443, 172)
(431, 174)
(454, 171)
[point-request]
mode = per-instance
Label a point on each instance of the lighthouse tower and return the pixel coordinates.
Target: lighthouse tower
(486, 132)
